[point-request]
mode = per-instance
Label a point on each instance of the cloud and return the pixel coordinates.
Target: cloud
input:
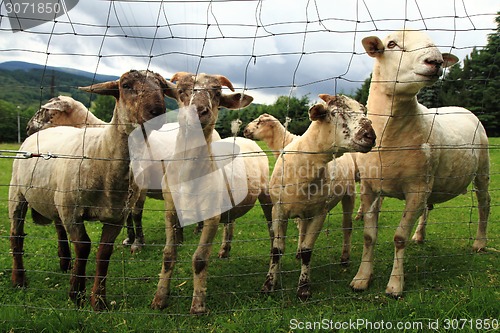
(270, 48)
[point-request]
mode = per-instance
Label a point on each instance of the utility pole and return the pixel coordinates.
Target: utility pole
(18, 125)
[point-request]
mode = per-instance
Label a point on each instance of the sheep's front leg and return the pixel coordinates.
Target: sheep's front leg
(280, 223)
(139, 240)
(200, 265)
(169, 259)
(227, 238)
(17, 209)
(347, 211)
(371, 202)
(108, 237)
(414, 206)
(311, 231)
(82, 245)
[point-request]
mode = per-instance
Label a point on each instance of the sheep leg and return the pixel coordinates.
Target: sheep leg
(63, 251)
(17, 209)
(415, 205)
(81, 243)
(347, 211)
(362, 278)
(481, 183)
(169, 259)
(267, 208)
(311, 230)
(419, 235)
(227, 238)
(139, 240)
(280, 222)
(200, 265)
(108, 237)
(130, 231)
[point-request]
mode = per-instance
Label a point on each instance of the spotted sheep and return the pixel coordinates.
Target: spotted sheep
(338, 126)
(424, 156)
(268, 129)
(89, 180)
(62, 111)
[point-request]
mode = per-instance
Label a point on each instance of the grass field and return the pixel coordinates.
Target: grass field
(448, 286)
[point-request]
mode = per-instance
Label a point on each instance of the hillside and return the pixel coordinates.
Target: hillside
(28, 84)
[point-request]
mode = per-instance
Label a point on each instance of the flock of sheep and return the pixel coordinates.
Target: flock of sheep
(395, 147)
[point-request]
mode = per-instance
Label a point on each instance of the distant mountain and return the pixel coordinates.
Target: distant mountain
(26, 66)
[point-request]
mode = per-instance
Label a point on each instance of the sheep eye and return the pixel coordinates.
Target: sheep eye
(218, 94)
(126, 86)
(392, 44)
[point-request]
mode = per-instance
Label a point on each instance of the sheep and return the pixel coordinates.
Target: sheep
(200, 96)
(303, 182)
(62, 111)
(274, 134)
(268, 129)
(89, 179)
(65, 111)
(424, 156)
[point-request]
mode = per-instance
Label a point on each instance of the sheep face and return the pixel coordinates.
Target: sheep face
(260, 127)
(204, 92)
(347, 127)
(407, 60)
(139, 93)
(54, 113)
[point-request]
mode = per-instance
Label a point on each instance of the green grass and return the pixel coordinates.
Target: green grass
(444, 278)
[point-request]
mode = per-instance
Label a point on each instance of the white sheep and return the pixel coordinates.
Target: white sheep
(62, 111)
(268, 129)
(200, 96)
(424, 156)
(303, 182)
(88, 178)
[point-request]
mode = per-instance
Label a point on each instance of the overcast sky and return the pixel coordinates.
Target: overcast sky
(265, 47)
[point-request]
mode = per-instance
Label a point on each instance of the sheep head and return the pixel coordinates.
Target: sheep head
(204, 92)
(346, 127)
(56, 112)
(260, 127)
(139, 97)
(406, 61)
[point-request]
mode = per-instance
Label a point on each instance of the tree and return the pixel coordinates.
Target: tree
(362, 92)
(103, 107)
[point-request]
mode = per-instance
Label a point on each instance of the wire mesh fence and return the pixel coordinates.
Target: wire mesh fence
(266, 49)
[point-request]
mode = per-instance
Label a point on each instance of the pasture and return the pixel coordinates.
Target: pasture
(448, 286)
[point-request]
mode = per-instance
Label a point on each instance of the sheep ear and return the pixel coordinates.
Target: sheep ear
(327, 98)
(170, 90)
(373, 46)
(449, 60)
(178, 75)
(106, 88)
(57, 104)
(317, 112)
(235, 101)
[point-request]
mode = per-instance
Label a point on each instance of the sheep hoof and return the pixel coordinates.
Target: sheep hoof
(344, 262)
(268, 287)
(136, 246)
(198, 310)
(158, 304)
(359, 285)
(127, 242)
(479, 246)
(418, 239)
(99, 303)
(78, 297)
(394, 295)
(223, 254)
(19, 279)
(303, 292)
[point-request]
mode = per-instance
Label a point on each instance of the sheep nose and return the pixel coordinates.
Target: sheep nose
(437, 63)
(203, 111)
